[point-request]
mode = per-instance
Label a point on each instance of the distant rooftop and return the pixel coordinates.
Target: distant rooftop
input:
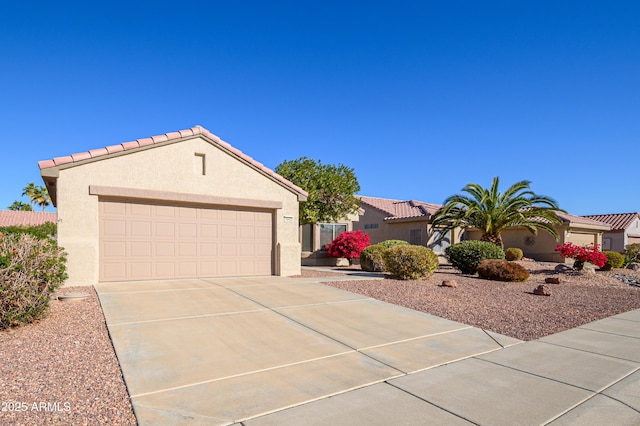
(401, 209)
(22, 218)
(618, 221)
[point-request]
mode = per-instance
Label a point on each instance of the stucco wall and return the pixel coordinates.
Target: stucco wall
(173, 168)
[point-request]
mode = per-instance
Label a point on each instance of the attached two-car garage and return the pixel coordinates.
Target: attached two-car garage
(184, 204)
(143, 241)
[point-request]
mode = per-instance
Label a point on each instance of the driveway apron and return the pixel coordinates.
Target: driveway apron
(220, 351)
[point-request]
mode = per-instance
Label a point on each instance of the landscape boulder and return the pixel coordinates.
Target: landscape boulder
(552, 280)
(634, 266)
(542, 290)
(563, 268)
(449, 283)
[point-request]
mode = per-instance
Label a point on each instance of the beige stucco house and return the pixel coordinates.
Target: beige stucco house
(407, 220)
(578, 230)
(625, 230)
(315, 237)
(179, 205)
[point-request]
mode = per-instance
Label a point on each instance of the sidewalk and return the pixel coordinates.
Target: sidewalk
(586, 376)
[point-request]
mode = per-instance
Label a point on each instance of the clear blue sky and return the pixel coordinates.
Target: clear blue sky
(420, 98)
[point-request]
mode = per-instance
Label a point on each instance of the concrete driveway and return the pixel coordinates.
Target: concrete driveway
(220, 351)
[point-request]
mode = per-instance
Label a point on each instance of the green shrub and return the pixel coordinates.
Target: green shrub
(45, 230)
(466, 255)
(502, 270)
(513, 253)
(632, 253)
(614, 260)
(372, 258)
(30, 270)
(409, 262)
(393, 243)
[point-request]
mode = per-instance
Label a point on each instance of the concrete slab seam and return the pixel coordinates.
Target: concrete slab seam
(318, 398)
(414, 338)
(485, 332)
(247, 373)
(431, 403)
(585, 327)
(613, 384)
(221, 314)
(570, 408)
(170, 290)
(188, 414)
(556, 380)
(334, 302)
(591, 352)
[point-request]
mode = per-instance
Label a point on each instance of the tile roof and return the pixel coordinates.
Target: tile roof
(401, 209)
(22, 218)
(618, 221)
(167, 137)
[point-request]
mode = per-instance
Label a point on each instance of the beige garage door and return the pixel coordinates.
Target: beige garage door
(140, 241)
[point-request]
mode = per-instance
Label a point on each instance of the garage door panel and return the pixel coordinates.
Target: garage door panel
(165, 249)
(138, 209)
(139, 270)
(140, 249)
(145, 241)
(140, 229)
(188, 230)
(208, 231)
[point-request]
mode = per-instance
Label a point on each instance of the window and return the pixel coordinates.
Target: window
(307, 237)
(328, 231)
(371, 226)
(415, 237)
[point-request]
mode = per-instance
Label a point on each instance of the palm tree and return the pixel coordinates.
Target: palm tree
(41, 197)
(20, 206)
(30, 191)
(492, 212)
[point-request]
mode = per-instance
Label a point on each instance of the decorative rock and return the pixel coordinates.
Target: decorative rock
(542, 290)
(563, 268)
(449, 283)
(552, 280)
(342, 261)
(589, 268)
(634, 266)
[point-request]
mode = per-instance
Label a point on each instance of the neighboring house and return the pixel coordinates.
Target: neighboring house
(180, 205)
(578, 230)
(25, 218)
(315, 238)
(408, 220)
(625, 230)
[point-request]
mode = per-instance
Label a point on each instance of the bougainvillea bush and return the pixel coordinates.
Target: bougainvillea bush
(349, 244)
(30, 270)
(590, 253)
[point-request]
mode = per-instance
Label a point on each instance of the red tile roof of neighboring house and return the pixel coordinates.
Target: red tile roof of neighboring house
(138, 143)
(22, 218)
(618, 221)
(401, 209)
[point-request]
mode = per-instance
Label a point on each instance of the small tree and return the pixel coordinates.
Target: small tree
(349, 244)
(331, 189)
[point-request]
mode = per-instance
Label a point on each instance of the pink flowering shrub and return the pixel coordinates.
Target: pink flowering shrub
(590, 253)
(349, 244)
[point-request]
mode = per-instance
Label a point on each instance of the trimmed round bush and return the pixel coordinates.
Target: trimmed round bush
(30, 270)
(393, 243)
(466, 255)
(513, 253)
(372, 258)
(614, 260)
(409, 262)
(502, 270)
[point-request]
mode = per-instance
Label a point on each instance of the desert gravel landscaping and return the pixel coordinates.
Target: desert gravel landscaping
(510, 308)
(63, 369)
